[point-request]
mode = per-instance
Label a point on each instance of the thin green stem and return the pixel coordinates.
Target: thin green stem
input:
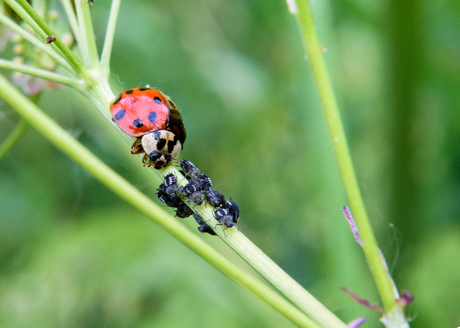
(62, 140)
(13, 138)
(109, 35)
(268, 269)
(88, 45)
(43, 30)
(68, 8)
(37, 43)
(302, 11)
(44, 74)
(45, 10)
(271, 272)
(23, 14)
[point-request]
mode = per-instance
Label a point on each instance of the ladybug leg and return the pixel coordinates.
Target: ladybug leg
(136, 148)
(146, 161)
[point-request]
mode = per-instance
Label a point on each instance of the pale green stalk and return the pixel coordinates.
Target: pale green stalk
(62, 140)
(45, 8)
(42, 73)
(70, 13)
(302, 11)
(12, 138)
(278, 278)
(89, 49)
(109, 35)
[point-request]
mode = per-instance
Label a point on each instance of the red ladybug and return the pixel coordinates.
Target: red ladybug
(140, 111)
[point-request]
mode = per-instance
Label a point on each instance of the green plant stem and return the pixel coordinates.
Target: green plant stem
(43, 30)
(37, 43)
(271, 272)
(12, 138)
(45, 8)
(89, 49)
(23, 14)
(44, 74)
(109, 35)
(70, 13)
(62, 140)
(304, 16)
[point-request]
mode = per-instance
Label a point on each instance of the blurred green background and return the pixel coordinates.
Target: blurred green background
(74, 255)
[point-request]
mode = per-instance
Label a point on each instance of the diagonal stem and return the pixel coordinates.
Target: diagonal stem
(13, 138)
(62, 140)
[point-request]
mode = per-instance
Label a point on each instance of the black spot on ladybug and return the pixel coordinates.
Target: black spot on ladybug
(161, 143)
(171, 145)
(171, 104)
(130, 91)
(117, 99)
(152, 116)
(157, 100)
(120, 114)
(138, 123)
(143, 89)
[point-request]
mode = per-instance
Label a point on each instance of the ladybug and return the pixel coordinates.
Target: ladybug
(160, 147)
(151, 117)
(139, 111)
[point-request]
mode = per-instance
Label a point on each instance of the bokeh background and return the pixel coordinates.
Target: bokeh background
(74, 255)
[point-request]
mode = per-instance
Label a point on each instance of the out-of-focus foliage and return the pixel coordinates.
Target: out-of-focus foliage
(72, 254)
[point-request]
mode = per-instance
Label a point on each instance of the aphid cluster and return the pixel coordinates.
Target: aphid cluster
(197, 190)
